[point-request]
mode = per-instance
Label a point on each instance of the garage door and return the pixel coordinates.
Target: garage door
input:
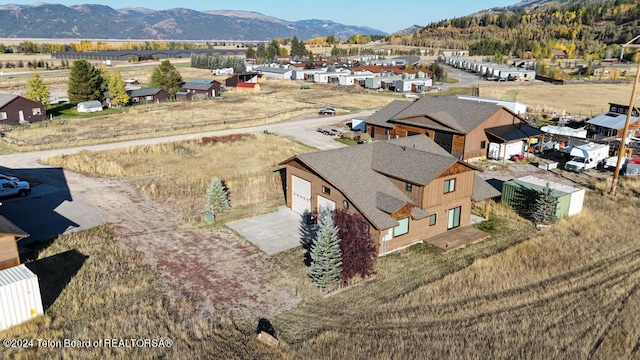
(300, 195)
(325, 204)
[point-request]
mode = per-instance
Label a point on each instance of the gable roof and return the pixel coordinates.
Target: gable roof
(6, 98)
(382, 116)
(444, 113)
(612, 120)
(482, 190)
(270, 69)
(360, 173)
(144, 92)
(198, 85)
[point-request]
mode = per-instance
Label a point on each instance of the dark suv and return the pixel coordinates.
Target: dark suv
(327, 111)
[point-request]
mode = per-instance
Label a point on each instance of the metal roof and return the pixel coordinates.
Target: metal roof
(612, 120)
(6, 98)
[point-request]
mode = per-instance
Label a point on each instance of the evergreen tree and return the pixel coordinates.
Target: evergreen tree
(358, 250)
(37, 90)
(250, 53)
(217, 198)
(84, 82)
(261, 51)
(544, 210)
(117, 90)
(326, 260)
(166, 77)
(273, 50)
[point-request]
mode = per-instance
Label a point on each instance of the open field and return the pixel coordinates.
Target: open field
(584, 100)
(96, 288)
(177, 174)
(569, 291)
(279, 101)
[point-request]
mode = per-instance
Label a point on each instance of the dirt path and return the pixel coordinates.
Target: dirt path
(226, 273)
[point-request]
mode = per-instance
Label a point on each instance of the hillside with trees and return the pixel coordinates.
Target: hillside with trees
(583, 29)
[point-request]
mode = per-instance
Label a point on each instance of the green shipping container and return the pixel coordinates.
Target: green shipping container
(521, 194)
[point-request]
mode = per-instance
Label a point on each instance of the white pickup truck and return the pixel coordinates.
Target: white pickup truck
(12, 188)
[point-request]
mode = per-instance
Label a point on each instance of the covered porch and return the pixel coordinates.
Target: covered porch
(512, 133)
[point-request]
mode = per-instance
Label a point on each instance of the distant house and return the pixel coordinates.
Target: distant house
(558, 54)
(197, 88)
(409, 190)
(9, 235)
(247, 77)
(15, 109)
(611, 123)
(275, 72)
(464, 128)
(147, 95)
(604, 71)
(89, 106)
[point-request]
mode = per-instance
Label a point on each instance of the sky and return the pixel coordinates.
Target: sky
(385, 15)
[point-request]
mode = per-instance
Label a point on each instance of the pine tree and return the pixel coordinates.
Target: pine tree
(358, 250)
(37, 90)
(326, 260)
(544, 211)
(117, 90)
(166, 77)
(84, 82)
(217, 198)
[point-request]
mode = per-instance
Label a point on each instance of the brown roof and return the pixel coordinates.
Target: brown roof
(482, 190)
(360, 173)
(457, 115)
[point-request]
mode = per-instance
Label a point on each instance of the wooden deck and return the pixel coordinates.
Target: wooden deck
(457, 238)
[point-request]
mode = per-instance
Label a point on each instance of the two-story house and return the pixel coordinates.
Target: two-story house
(408, 189)
(611, 123)
(465, 128)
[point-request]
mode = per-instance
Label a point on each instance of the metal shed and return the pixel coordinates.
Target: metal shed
(521, 194)
(19, 296)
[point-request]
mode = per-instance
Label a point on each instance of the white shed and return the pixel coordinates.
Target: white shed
(19, 296)
(89, 106)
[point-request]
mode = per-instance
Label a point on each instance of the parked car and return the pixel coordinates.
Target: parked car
(131, 81)
(11, 188)
(327, 111)
(7, 177)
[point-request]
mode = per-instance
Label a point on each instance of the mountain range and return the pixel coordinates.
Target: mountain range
(103, 22)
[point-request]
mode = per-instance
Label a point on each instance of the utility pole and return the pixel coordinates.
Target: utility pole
(621, 151)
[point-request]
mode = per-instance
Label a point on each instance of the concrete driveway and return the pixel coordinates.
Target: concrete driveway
(272, 233)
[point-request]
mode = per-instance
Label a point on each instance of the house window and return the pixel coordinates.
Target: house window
(326, 190)
(483, 144)
(432, 219)
(409, 187)
(3, 115)
(402, 228)
(135, 99)
(36, 111)
(449, 186)
(345, 204)
(149, 98)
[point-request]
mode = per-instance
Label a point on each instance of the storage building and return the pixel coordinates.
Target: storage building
(20, 299)
(521, 194)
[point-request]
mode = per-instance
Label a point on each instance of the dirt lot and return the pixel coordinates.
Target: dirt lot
(225, 272)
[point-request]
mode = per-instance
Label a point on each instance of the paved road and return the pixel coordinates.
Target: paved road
(63, 201)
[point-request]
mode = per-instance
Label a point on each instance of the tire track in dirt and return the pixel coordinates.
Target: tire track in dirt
(224, 272)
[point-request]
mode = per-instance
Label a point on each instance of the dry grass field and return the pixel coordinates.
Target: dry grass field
(584, 100)
(99, 289)
(279, 101)
(570, 291)
(177, 174)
